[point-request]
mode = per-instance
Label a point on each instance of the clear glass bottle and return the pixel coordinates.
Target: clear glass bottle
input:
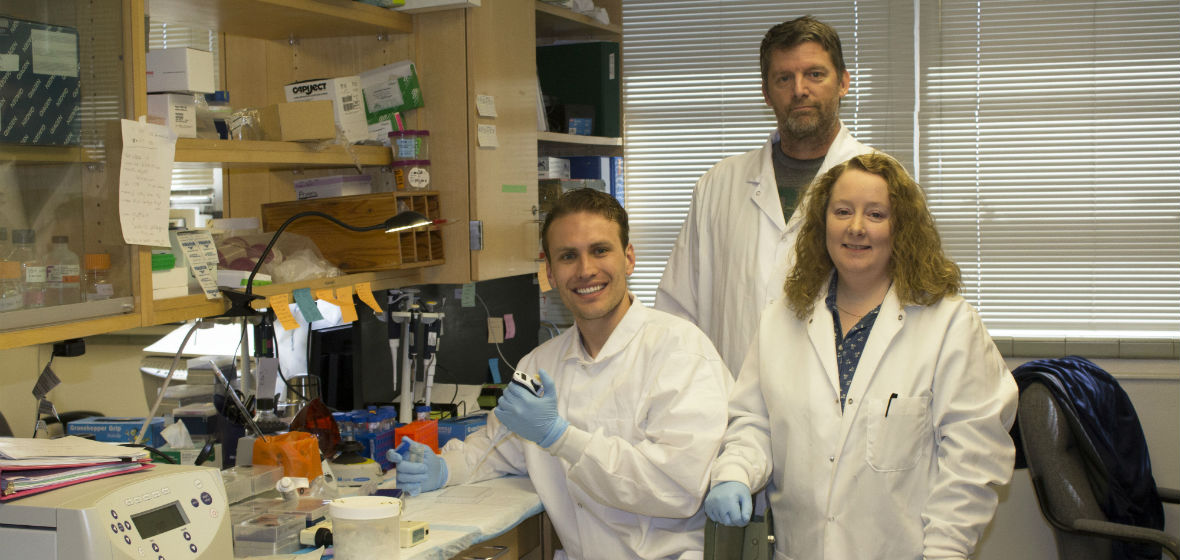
(11, 295)
(96, 281)
(63, 271)
(32, 267)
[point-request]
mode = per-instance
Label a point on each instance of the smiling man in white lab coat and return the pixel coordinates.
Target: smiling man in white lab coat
(734, 249)
(619, 444)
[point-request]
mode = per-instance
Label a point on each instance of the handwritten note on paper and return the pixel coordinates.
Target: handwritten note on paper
(485, 134)
(145, 177)
(486, 105)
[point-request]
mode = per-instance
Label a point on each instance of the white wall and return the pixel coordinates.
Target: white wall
(106, 379)
(1019, 530)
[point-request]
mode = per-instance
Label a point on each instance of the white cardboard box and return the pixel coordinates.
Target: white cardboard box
(334, 185)
(177, 111)
(180, 69)
(553, 168)
(348, 107)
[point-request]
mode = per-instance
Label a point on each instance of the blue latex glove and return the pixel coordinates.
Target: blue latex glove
(529, 416)
(419, 469)
(729, 503)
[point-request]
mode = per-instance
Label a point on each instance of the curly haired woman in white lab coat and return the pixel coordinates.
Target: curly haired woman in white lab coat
(872, 405)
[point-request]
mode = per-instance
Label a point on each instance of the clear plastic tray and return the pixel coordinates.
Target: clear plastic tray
(270, 527)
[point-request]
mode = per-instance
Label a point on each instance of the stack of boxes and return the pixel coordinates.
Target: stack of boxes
(174, 78)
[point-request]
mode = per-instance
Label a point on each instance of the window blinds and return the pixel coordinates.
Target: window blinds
(1050, 148)
(1047, 136)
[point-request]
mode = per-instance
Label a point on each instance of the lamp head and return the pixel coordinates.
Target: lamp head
(406, 220)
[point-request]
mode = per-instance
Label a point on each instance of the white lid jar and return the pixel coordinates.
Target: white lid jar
(412, 174)
(366, 528)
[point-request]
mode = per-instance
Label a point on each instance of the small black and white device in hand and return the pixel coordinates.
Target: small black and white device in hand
(529, 382)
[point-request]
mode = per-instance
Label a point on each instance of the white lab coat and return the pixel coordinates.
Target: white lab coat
(627, 478)
(735, 248)
(916, 483)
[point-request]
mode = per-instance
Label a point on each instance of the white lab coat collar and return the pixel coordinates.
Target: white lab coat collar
(821, 332)
(623, 334)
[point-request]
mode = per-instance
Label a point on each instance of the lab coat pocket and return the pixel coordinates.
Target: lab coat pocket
(895, 440)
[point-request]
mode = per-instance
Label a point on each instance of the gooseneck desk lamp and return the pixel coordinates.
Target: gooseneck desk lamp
(240, 302)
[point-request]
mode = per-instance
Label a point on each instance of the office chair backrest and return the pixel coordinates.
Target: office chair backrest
(1060, 465)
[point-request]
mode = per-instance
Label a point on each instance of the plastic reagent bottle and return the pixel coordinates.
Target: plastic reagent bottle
(11, 295)
(63, 272)
(96, 282)
(32, 268)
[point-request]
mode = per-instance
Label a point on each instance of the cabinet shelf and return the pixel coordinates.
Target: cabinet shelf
(22, 154)
(282, 19)
(244, 154)
(554, 22)
(563, 138)
(196, 306)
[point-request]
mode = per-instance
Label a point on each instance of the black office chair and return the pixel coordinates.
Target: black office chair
(1072, 481)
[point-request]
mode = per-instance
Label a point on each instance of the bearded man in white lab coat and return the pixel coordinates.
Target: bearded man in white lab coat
(734, 249)
(873, 405)
(618, 445)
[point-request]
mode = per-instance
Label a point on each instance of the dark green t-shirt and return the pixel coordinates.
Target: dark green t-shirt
(793, 176)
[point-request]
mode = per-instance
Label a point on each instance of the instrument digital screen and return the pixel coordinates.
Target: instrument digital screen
(159, 520)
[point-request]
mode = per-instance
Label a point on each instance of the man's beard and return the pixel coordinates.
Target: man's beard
(803, 128)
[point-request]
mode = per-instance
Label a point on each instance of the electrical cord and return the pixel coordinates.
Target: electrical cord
(488, 312)
(143, 430)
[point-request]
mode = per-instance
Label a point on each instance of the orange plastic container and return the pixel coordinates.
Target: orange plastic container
(421, 431)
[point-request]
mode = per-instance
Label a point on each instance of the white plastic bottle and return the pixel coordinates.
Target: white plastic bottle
(32, 267)
(63, 271)
(96, 282)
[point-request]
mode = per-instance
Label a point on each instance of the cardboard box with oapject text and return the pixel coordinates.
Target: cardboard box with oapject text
(40, 97)
(348, 107)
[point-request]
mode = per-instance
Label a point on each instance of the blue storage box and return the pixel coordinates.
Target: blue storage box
(460, 428)
(115, 429)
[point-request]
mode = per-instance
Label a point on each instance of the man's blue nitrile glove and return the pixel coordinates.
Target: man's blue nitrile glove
(529, 416)
(729, 503)
(419, 469)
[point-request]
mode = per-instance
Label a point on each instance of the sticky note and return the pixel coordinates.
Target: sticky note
(281, 305)
(514, 188)
(509, 327)
(468, 298)
(494, 367)
(485, 134)
(307, 306)
(366, 294)
(326, 295)
(485, 105)
(344, 300)
(543, 276)
(495, 330)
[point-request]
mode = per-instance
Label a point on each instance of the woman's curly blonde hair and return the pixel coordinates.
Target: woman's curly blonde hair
(921, 272)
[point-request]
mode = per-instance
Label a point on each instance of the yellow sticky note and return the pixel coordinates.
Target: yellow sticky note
(326, 295)
(543, 276)
(495, 330)
(344, 300)
(281, 305)
(366, 294)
